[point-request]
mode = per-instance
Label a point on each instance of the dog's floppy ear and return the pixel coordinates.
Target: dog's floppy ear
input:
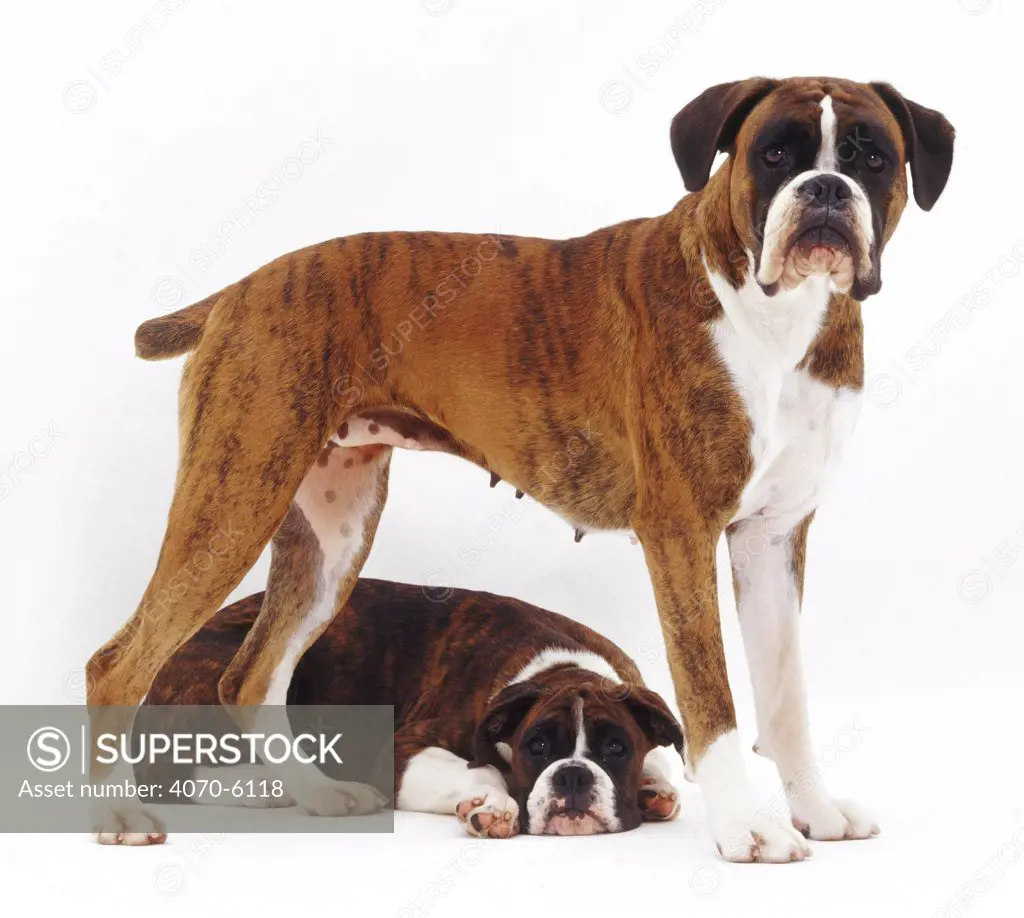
(501, 720)
(928, 137)
(654, 717)
(710, 123)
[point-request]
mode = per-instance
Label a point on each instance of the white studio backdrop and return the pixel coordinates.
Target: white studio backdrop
(125, 197)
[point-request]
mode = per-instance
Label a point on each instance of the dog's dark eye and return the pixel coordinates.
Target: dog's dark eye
(615, 749)
(537, 746)
(774, 157)
(874, 162)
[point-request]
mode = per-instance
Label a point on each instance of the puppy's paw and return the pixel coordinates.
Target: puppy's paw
(340, 798)
(658, 799)
(758, 837)
(215, 787)
(489, 813)
(255, 802)
(833, 820)
(269, 802)
(127, 824)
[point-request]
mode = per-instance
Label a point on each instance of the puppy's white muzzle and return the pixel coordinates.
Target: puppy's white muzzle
(545, 807)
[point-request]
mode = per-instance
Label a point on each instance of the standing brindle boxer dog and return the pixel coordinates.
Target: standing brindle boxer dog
(681, 376)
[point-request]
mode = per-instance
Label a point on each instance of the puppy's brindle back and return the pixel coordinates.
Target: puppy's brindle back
(585, 372)
(393, 645)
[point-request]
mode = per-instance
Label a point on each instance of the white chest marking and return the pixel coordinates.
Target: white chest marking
(799, 425)
(559, 656)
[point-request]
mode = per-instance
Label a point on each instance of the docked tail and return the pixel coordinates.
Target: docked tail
(175, 333)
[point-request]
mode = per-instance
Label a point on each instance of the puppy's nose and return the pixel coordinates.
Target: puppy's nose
(572, 780)
(826, 189)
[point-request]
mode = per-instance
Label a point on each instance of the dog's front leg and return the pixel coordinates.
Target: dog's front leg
(768, 560)
(681, 559)
(431, 779)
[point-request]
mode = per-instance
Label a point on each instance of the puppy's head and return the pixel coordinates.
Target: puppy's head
(573, 748)
(816, 172)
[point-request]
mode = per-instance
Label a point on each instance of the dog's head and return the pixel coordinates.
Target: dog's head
(816, 172)
(573, 749)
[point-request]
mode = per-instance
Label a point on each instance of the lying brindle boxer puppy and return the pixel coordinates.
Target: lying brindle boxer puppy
(684, 376)
(563, 737)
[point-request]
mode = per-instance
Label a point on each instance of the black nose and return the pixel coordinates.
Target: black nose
(572, 780)
(826, 189)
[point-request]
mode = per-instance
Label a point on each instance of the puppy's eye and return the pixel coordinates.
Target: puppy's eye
(774, 157)
(874, 162)
(615, 749)
(537, 746)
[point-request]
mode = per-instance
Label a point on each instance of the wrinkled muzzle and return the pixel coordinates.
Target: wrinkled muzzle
(572, 797)
(819, 224)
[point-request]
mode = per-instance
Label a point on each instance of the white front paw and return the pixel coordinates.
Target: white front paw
(340, 798)
(256, 802)
(832, 820)
(217, 787)
(489, 813)
(657, 798)
(269, 802)
(758, 836)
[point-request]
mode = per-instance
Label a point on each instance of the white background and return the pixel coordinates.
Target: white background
(546, 119)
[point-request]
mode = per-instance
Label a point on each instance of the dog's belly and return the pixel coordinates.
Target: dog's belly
(579, 474)
(799, 429)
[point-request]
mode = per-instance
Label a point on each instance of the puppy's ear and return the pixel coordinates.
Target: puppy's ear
(501, 720)
(928, 137)
(654, 717)
(710, 123)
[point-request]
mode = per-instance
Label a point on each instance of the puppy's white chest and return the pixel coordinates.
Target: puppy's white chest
(799, 425)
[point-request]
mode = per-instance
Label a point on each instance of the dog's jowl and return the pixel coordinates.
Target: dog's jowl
(681, 376)
(508, 716)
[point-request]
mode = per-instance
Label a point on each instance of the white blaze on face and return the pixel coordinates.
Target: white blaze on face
(581, 729)
(827, 160)
(789, 267)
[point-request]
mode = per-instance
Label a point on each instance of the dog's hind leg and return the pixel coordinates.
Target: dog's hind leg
(317, 555)
(239, 469)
